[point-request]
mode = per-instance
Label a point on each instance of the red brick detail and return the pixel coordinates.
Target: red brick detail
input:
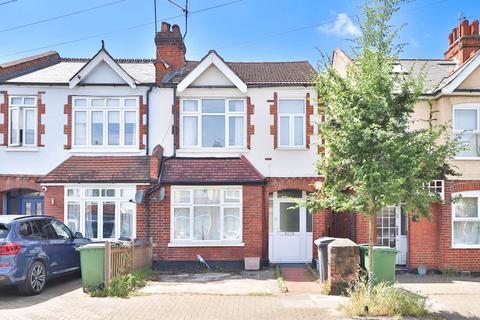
(4, 125)
(252, 231)
(170, 51)
(463, 41)
(210, 171)
(250, 126)
(12, 182)
(176, 125)
(54, 202)
(274, 113)
(40, 125)
(362, 229)
(67, 129)
(309, 113)
(143, 126)
(300, 183)
(22, 65)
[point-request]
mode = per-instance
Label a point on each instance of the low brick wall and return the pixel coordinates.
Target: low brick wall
(343, 264)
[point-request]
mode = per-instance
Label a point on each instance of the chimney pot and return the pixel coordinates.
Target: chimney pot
(464, 28)
(165, 27)
(450, 39)
(474, 28)
(176, 28)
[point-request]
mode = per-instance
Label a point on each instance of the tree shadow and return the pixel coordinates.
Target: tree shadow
(11, 298)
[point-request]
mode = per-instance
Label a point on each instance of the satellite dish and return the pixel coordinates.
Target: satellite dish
(161, 194)
(139, 196)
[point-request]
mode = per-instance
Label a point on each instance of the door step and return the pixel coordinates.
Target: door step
(401, 269)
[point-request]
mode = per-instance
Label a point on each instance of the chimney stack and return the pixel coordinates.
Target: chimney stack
(170, 51)
(463, 41)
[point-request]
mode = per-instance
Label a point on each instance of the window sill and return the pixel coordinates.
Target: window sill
(105, 150)
(292, 149)
(209, 150)
(22, 149)
(475, 247)
(466, 158)
(206, 244)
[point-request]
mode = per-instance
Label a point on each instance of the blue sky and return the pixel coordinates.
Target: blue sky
(248, 30)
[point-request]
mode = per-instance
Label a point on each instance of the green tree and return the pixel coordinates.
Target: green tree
(373, 157)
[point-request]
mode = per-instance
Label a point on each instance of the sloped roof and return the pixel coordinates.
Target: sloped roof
(259, 73)
(209, 171)
(100, 169)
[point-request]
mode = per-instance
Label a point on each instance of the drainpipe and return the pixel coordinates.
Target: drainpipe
(150, 88)
(174, 121)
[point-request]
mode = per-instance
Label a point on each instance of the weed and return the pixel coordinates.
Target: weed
(325, 288)
(447, 272)
(384, 300)
(281, 283)
(310, 272)
(122, 286)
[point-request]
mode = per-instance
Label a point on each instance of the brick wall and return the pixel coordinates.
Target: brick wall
(362, 229)
(274, 113)
(40, 113)
(55, 209)
(67, 128)
(4, 125)
(309, 113)
(11, 182)
(250, 126)
(176, 125)
(143, 130)
(252, 231)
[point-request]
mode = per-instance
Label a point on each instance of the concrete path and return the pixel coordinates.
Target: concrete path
(64, 299)
(449, 297)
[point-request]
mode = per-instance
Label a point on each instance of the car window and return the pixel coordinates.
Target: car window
(61, 230)
(3, 231)
(44, 229)
(26, 229)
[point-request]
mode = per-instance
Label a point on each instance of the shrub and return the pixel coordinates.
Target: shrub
(122, 286)
(384, 300)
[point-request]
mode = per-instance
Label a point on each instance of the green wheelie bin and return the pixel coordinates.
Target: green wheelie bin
(92, 265)
(384, 261)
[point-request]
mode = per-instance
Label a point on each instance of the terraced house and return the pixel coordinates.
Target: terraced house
(214, 145)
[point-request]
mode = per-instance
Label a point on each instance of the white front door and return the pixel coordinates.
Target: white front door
(290, 236)
(392, 231)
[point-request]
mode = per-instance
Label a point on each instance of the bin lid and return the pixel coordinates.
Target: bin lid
(94, 245)
(323, 241)
(379, 248)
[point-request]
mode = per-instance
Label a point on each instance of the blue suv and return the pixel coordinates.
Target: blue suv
(34, 249)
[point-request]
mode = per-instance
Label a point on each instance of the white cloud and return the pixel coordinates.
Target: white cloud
(343, 26)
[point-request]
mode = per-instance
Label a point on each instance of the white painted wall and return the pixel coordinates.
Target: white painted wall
(103, 73)
(212, 76)
(44, 159)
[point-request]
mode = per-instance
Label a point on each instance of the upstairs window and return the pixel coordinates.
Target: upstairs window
(213, 123)
(22, 121)
(291, 123)
(466, 126)
(105, 122)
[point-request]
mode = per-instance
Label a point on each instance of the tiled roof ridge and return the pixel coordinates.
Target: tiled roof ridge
(119, 60)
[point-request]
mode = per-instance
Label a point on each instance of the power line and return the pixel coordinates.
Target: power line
(7, 2)
(119, 30)
(60, 16)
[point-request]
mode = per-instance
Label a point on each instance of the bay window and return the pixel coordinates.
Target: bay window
(101, 212)
(213, 123)
(105, 122)
(206, 215)
(291, 123)
(22, 123)
(466, 220)
(466, 126)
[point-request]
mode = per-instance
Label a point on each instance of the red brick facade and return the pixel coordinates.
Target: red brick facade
(430, 241)
(4, 125)
(274, 113)
(250, 126)
(143, 126)
(40, 113)
(54, 202)
(67, 128)
(309, 113)
(170, 51)
(463, 41)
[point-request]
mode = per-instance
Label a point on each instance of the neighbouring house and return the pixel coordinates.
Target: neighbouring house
(451, 240)
(217, 148)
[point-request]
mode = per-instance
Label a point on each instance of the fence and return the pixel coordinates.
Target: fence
(125, 259)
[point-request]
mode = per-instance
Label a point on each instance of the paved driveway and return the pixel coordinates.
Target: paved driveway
(65, 300)
(450, 298)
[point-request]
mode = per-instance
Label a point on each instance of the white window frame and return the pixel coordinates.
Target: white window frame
(205, 243)
(227, 114)
(465, 194)
(437, 187)
(121, 108)
(118, 199)
(21, 125)
(466, 106)
(291, 124)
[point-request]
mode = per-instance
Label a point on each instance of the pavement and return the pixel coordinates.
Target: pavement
(64, 299)
(449, 297)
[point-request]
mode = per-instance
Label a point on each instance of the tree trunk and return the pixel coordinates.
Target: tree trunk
(371, 274)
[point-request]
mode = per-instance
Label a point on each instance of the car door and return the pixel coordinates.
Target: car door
(46, 241)
(66, 244)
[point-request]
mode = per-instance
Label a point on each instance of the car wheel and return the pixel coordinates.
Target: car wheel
(35, 280)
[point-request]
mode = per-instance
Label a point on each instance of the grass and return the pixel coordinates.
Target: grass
(384, 301)
(310, 272)
(281, 283)
(447, 272)
(122, 286)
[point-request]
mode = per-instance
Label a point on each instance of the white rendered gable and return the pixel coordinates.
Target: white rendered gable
(212, 76)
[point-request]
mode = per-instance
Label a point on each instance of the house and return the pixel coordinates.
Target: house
(216, 147)
(451, 240)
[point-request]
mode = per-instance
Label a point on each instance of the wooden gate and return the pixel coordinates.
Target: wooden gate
(342, 225)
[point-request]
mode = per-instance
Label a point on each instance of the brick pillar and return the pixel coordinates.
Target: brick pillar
(343, 264)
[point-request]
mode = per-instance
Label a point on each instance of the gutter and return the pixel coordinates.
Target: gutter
(150, 88)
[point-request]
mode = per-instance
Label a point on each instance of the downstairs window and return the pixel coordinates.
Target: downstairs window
(466, 220)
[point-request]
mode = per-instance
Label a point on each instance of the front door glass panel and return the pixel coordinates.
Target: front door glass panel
(289, 217)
